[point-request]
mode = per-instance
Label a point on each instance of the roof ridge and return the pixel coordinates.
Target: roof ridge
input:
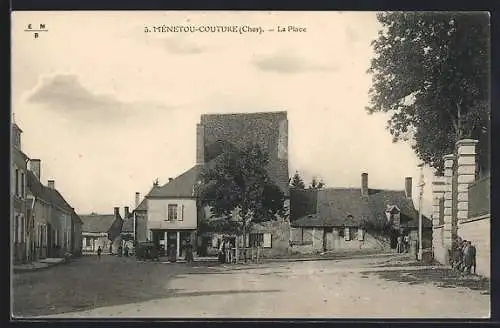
(244, 113)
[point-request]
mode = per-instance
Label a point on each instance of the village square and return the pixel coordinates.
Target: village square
(264, 215)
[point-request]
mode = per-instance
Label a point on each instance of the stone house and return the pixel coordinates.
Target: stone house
(340, 219)
(96, 232)
(461, 205)
(140, 216)
(20, 224)
(76, 231)
(56, 226)
(172, 212)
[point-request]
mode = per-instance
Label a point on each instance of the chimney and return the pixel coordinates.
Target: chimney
(408, 187)
(364, 184)
(35, 165)
(51, 184)
(117, 212)
(127, 213)
(137, 197)
(170, 179)
(200, 144)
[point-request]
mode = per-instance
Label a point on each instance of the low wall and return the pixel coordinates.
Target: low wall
(477, 230)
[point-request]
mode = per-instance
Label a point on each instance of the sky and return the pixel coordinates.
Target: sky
(108, 108)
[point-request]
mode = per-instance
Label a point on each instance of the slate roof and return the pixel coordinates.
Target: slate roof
(180, 187)
(143, 206)
(97, 222)
(347, 207)
(237, 130)
(49, 195)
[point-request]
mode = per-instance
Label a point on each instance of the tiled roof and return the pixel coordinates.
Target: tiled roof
(143, 206)
(180, 187)
(347, 207)
(97, 222)
(302, 203)
(47, 194)
(238, 130)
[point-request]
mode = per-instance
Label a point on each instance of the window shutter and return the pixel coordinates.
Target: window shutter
(267, 240)
(347, 234)
(181, 215)
(361, 234)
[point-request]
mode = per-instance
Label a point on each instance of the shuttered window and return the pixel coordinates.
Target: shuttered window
(181, 214)
(267, 240)
(347, 234)
(17, 182)
(361, 234)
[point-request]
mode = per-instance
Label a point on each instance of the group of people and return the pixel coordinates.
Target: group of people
(225, 250)
(403, 244)
(123, 251)
(464, 256)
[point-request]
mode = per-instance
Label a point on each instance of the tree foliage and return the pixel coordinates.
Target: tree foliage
(297, 182)
(238, 182)
(431, 73)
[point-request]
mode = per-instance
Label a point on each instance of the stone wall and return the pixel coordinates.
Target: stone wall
(280, 237)
(310, 240)
(477, 230)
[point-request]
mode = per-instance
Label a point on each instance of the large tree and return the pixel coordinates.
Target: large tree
(238, 185)
(431, 73)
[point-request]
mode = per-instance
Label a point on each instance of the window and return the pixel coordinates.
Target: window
(17, 182)
(256, 239)
(16, 228)
(22, 184)
(172, 212)
(21, 237)
(181, 215)
(347, 234)
(260, 239)
(361, 234)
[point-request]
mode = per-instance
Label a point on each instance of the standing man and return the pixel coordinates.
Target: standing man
(407, 242)
(99, 251)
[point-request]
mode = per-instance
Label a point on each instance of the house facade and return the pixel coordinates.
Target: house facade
(172, 213)
(344, 219)
(461, 206)
(76, 231)
(140, 216)
(56, 226)
(19, 222)
(101, 230)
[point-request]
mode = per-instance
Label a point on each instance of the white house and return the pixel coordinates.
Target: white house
(172, 213)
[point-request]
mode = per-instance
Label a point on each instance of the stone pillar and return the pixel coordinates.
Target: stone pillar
(438, 190)
(448, 201)
(466, 150)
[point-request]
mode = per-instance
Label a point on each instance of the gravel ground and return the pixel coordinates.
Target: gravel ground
(363, 287)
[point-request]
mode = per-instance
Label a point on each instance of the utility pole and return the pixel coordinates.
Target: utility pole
(421, 193)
